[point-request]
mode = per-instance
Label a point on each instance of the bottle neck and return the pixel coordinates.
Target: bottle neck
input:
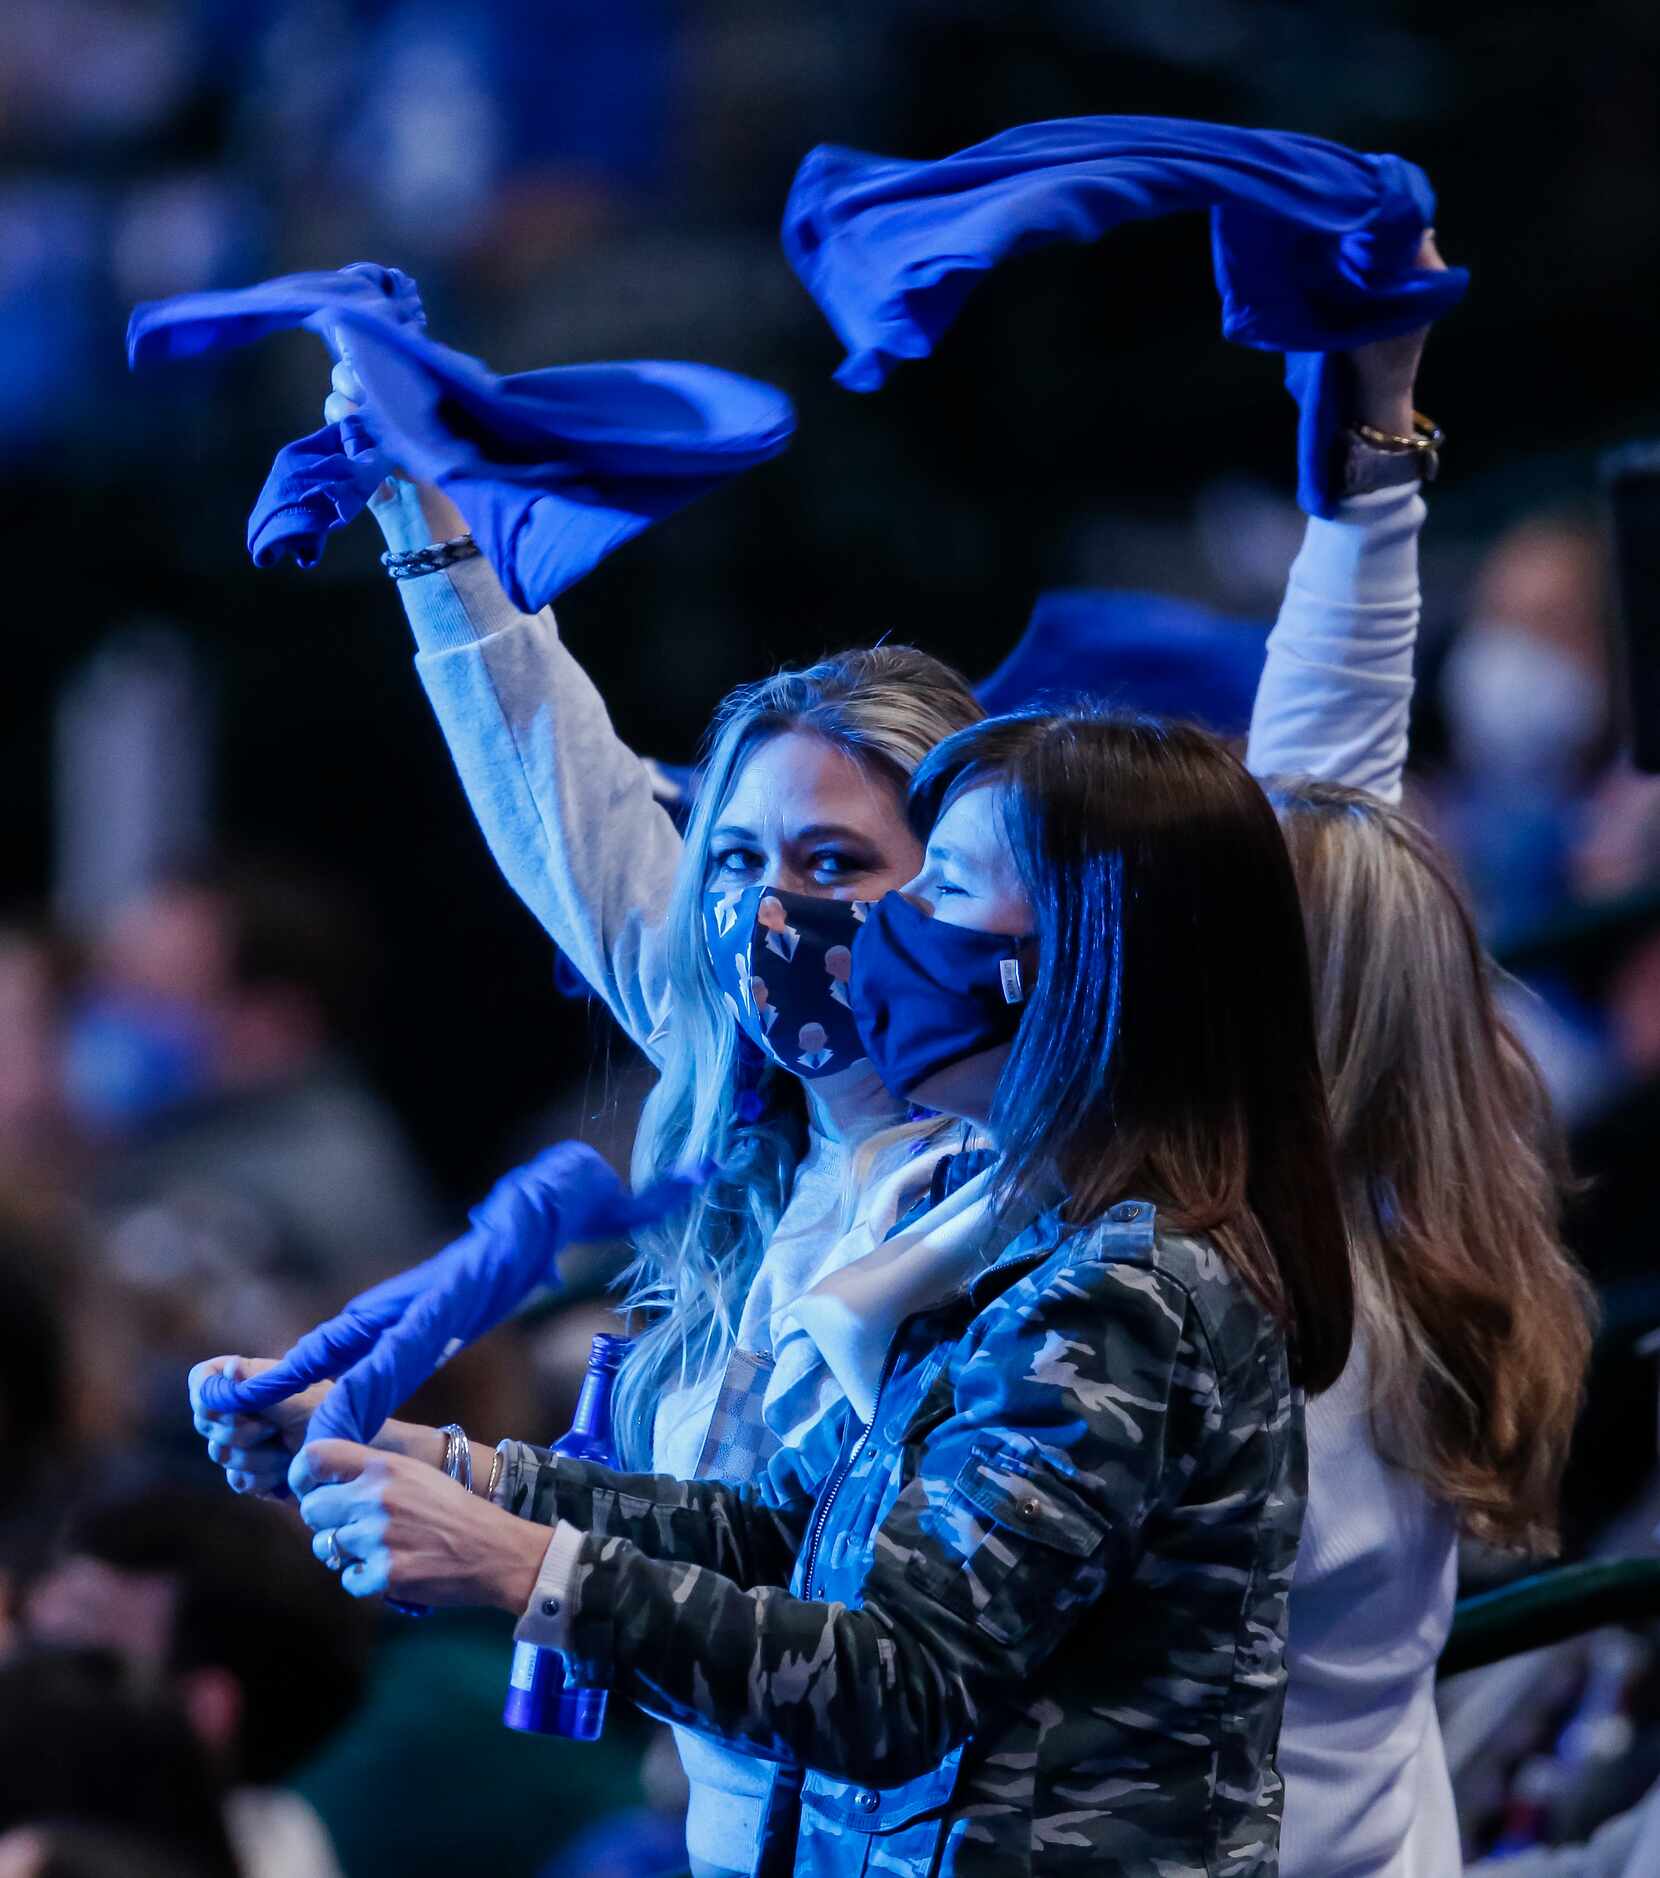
(590, 1434)
(593, 1405)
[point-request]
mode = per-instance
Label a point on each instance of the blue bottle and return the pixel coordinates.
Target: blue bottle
(541, 1697)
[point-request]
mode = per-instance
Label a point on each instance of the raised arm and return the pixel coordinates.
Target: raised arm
(1336, 692)
(565, 805)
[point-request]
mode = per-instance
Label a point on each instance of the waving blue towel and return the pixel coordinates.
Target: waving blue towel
(392, 1337)
(552, 469)
(316, 485)
(1315, 246)
(320, 482)
(191, 325)
(555, 469)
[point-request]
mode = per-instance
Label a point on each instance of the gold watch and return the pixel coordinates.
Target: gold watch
(1379, 459)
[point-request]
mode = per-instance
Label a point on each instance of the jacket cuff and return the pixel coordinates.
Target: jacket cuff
(547, 1617)
(591, 1606)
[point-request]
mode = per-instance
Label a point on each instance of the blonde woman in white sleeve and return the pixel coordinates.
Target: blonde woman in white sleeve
(803, 790)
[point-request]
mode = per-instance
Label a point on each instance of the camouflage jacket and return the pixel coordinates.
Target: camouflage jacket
(1036, 1612)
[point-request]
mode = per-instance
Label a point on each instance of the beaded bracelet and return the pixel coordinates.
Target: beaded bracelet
(409, 563)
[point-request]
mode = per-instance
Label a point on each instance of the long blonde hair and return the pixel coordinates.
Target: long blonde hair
(1476, 1320)
(886, 708)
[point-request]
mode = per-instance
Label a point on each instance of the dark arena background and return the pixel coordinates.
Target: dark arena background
(271, 1019)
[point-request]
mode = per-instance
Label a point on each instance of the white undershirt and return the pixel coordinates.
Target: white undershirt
(1367, 1793)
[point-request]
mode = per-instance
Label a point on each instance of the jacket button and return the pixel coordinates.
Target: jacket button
(866, 1801)
(1031, 1509)
(551, 1607)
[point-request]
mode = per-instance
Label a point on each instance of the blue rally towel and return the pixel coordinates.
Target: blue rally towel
(320, 482)
(317, 484)
(552, 469)
(1140, 651)
(391, 1338)
(555, 469)
(192, 325)
(1315, 246)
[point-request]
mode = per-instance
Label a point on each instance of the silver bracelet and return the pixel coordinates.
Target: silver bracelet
(410, 563)
(458, 1455)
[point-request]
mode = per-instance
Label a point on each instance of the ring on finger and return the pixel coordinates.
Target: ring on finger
(334, 1558)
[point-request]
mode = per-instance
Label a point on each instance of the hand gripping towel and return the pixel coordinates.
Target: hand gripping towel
(1314, 246)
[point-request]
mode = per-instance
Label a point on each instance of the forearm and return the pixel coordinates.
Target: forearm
(731, 1530)
(566, 807)
(1335, 695)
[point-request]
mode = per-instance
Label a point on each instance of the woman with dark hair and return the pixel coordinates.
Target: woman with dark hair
(1039, 1557)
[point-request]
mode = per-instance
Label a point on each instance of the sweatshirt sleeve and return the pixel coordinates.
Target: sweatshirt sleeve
(1336, 691)
(566, 807)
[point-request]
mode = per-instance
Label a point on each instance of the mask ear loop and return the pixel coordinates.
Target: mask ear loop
(1013, 972)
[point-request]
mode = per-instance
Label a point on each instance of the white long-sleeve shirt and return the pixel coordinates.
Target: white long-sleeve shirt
(568, 812)
(1367, 1791)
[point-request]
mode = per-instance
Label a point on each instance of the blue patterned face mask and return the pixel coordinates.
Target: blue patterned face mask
(783, 961)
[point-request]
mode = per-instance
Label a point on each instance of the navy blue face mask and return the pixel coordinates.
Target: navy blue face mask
(783, 961)
(927, 994)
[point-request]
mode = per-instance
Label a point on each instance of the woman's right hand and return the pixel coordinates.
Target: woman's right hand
(411, 515)
(254, 1450)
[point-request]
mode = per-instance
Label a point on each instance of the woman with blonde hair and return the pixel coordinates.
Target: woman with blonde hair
(1472, 1331)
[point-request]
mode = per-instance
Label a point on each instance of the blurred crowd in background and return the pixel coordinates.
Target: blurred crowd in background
(269, 1020)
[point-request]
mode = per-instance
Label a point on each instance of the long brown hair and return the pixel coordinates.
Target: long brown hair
(1168, 1047)
(1476, 1320)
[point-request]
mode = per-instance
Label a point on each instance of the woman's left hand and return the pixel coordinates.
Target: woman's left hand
(406, 1531)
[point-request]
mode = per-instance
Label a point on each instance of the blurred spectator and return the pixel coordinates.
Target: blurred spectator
(87, 1852)
(81, 1743)
(37, 1139)
(250, 1180)
(1526, 692)
(1620, 852)
(220, 1600)
(213, 1048)
(1614, 1220)
(34, 1390)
